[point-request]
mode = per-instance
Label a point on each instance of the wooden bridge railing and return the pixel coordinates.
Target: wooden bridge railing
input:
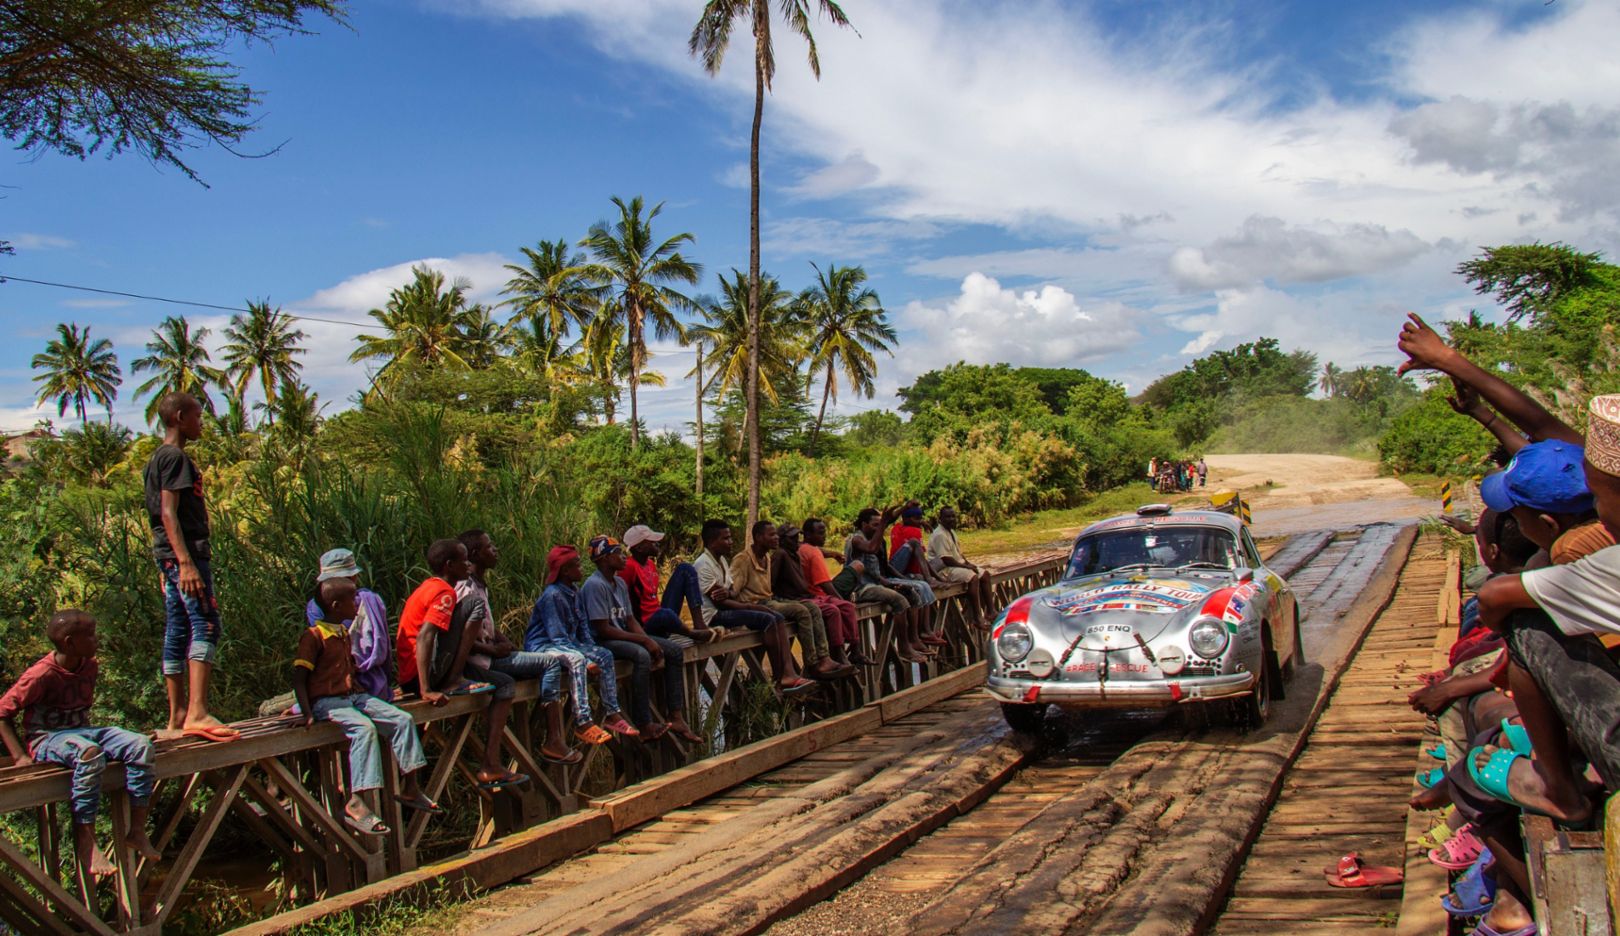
(285, 784)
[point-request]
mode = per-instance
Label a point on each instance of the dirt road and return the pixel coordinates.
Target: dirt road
(1294, 493)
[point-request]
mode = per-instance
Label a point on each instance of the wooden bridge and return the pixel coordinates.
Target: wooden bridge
(283, 784)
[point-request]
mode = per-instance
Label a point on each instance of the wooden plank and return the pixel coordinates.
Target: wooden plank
(901, 704)
(38, 879)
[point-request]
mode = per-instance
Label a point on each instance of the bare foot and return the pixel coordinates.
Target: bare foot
(143, 846)
(169, 734)
(1432, 798)
(1530, 788)
(90, 855)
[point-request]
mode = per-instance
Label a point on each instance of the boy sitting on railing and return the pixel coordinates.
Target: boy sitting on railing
(324, 682)
(53, 697)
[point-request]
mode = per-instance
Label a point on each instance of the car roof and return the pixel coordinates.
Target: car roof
(1211, 518)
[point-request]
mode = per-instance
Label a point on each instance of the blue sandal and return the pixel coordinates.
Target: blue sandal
(1475, 890)
(1516, 737)
(1438, 752)
(1431, 778)
(1493, 777)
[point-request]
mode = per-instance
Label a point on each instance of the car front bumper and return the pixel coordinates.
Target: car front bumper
(1121, 693)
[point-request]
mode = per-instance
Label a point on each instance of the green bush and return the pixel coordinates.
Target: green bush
(1429, 437)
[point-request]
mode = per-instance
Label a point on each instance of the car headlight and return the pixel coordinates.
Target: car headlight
(1015, 642)
(1207, 638)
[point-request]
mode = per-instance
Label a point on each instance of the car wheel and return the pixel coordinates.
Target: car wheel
(1022, 718)
(1254, 708)
(1298, 659)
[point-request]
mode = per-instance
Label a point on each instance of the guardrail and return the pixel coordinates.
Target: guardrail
(284, 784)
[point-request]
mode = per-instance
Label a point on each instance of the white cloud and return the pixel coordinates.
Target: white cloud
(27, 241)
(986, 323)
(1269, 249)
(848, 174)
(819, 238)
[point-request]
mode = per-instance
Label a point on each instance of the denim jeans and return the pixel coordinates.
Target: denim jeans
(546, 666)
(67, 749)
(1580, 681)
(641, 676)
(731, 618)
(363, 717)
(191, 622)
(681, 589)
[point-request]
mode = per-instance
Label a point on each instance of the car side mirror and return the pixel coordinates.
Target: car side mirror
(1247, 576)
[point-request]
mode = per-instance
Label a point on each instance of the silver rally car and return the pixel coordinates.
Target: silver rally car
(1156, 609)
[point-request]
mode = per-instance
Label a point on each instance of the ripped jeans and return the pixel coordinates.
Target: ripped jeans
(67, 749)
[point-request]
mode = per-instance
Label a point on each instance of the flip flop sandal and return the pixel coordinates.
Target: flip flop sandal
(689, 736)
(1474, 894)
(369, 825)
(1516, 737)
(803, 685)
(1493, 777)
(1459, 851)
(1438, 752)
(573, 758)
(1485, 929)
(217, 735)
(620, 727)
(1437, 836)
(653, 731)
(424, 804)
(501, 783)
(1350, 872)
(472, 689)
(1431, 778)
(592, 734)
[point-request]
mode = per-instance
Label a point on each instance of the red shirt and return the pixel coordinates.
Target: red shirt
(900, 536)
(432, 603)
(51, 697)
(642, 580)
(815, 564)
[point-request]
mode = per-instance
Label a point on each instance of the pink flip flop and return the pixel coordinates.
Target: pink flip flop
(1458, 852)
(1352, 873)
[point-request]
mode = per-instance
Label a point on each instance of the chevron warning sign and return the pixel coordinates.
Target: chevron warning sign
(1445, 496)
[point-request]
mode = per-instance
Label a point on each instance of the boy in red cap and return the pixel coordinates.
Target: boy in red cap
(556, 624)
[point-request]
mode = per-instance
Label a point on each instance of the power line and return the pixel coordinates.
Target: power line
(185, 302)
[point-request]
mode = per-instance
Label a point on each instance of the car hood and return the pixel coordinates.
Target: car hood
(1107, 612)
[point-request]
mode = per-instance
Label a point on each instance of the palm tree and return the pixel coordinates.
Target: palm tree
(606, 359)
(724, 333)
(550, 288)
(545, 354)
(424, 324)
(179, 363)
(846, 323)
(77, 369)
(1332, 379)
(262, 344)
(634, 272)
(709, 40)
(484, 339)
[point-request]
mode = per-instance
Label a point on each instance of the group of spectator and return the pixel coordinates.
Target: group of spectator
(1172, 476)
(1529, 707)
(351, 667)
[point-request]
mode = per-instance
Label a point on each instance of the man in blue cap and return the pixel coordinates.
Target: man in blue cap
(1544, 486)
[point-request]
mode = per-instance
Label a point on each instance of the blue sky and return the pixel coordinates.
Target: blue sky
(1113, 185)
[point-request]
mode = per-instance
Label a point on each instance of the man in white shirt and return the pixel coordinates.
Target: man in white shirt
(722, 608)
(948, 564)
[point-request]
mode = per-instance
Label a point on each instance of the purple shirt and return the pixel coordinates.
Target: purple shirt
(368, 641)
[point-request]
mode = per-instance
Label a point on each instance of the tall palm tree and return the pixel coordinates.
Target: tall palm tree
(847, 323)
(546, 354)
(551, 288)
(709, 40)
(484, 340)
(424, 323)
(724, 333)
(77, 369)
(606, 359)
(262, 344)
(1332, 379)
(635, 272)
(178, 362)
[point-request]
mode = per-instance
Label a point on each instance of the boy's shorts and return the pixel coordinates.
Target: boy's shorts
(191, 627)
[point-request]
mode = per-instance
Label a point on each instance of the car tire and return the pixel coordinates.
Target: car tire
(1298, 659)
(1024, 718)
(1254, 708)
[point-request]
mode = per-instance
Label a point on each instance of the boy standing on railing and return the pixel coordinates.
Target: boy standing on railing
(53, 697)
(179, 517)
(327, 690)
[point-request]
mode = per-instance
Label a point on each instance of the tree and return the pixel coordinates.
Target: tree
(423, 323)
(77, 369)
(551, 289)
(710, 38)
(847, 323)
(724, 331)
(1332, 378)
(179, 363)
(635, 271)
(1528, 278)
(262, 345)
(147, 76)
(484, 340)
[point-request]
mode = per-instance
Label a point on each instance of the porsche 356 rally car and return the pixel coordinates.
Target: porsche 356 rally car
(1156, 609)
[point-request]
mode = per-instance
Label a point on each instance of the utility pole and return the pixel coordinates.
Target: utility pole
(700, 421)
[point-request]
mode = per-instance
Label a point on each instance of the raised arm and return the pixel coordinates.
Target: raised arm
(1465, 400)
(1426, 350)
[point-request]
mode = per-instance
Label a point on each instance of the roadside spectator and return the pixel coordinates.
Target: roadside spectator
(368, 632)
(325, 684)
(556, 625)
(496, 660)
(178, 511)
(751, 573)
(436, 635)
(1545, 488)
(813, 560)
(878, 581)
(788, 581)
(723, 608)
(951, 566)
(662, 618)
(605, 602)
(1203, 471)
(53, 697)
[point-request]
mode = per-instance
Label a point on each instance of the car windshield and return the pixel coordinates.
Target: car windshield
(1154, 547)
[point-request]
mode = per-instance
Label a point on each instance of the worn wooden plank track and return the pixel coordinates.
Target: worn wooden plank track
(1348, 789)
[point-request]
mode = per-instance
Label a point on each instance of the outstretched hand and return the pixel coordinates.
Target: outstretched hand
(1422, 345)
(1464, 399)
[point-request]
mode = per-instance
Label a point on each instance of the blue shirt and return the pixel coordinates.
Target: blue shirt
(556, 621)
